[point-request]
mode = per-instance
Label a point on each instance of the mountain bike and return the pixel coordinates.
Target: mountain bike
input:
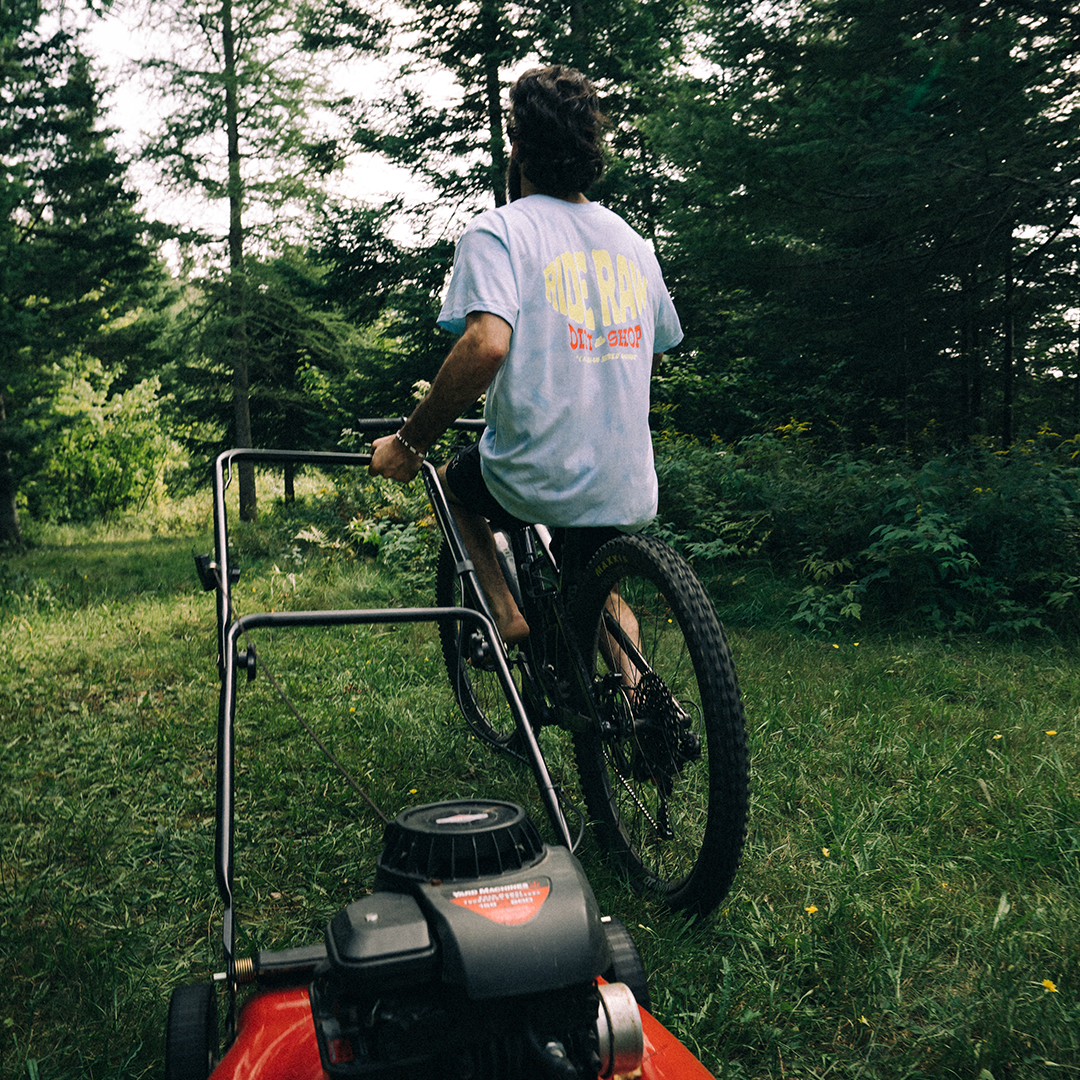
(627, 654)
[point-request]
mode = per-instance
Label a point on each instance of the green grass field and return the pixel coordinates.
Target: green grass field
(909, 904)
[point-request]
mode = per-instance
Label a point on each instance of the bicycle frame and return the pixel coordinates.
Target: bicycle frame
(219, 576)
(532, 545)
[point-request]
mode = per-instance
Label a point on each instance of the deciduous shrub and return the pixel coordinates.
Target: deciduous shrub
(101, 454)
(972, 540)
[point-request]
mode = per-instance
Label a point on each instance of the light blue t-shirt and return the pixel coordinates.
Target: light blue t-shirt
(567, 441)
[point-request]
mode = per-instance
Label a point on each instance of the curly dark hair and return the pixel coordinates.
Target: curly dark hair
(555, 120)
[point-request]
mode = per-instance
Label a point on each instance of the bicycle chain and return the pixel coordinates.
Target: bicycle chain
(637, 802)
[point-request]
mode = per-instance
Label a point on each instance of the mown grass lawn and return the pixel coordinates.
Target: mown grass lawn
(909, 904)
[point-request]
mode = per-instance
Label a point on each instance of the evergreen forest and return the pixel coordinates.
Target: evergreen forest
(866, 212)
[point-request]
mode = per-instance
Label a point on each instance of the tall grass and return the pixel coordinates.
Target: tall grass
(908, 907)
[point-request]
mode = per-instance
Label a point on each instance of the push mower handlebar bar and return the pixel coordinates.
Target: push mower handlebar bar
(219, 575)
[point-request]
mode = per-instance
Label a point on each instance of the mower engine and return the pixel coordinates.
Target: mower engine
(477, 956)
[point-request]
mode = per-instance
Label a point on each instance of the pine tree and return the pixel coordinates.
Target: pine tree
(73, 251)
(247, 80)
(301, 354)
(883, 193)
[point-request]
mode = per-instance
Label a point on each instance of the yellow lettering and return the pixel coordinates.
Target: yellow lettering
(560, 285)
(575, 301)
(582, 270)
(605, 279)
(626, 291)
(551, 286)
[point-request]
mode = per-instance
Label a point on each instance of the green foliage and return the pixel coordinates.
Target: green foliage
(102, 454)
(974, 540)
(393, 521)
(841, 228)
(345, 514)
(302, 357)
(274, 84)
(393, 291)
(75, 262)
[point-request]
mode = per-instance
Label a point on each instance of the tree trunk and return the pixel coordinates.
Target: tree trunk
(1008, 357)
(238, 328)
(490, 20)
(966, 422)
(1075, 380)
(978, 379)
(10, 532)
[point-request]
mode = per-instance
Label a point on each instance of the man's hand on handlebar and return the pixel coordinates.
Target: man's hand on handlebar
(391, 459)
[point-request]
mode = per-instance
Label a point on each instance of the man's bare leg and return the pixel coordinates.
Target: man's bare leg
(480, 544)
(616, 658)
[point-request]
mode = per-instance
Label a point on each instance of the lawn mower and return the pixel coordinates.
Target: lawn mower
(480, 954)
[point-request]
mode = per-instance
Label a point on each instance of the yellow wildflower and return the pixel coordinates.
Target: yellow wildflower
(1049, 986)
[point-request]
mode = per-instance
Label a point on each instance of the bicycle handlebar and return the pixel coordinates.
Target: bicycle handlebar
(372, 425)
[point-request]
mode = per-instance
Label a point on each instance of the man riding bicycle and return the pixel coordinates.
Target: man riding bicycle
(564, 316)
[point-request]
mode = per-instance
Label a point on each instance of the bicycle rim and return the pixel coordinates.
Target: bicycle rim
(665, 776)
(473, 678)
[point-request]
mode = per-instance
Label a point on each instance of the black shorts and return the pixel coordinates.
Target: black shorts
(466, 481)
(573, 547)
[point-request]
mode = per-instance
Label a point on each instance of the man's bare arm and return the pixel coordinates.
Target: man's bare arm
(465, 374)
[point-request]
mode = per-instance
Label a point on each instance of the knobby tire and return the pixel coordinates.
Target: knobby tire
(667, 778)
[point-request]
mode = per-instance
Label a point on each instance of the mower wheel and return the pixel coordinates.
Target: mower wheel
(191, 1035)
(626, 966)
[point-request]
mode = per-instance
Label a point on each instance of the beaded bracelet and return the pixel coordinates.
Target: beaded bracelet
(408, 446)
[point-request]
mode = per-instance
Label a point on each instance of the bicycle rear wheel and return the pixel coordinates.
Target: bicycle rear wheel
(467, 654)
(665, 776)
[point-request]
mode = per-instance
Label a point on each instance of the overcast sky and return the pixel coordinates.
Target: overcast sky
(117, 40)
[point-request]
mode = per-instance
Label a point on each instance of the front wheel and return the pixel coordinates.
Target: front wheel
(467, 654)
(664, 773)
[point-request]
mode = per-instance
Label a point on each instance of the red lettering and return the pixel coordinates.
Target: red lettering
(629, 337)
